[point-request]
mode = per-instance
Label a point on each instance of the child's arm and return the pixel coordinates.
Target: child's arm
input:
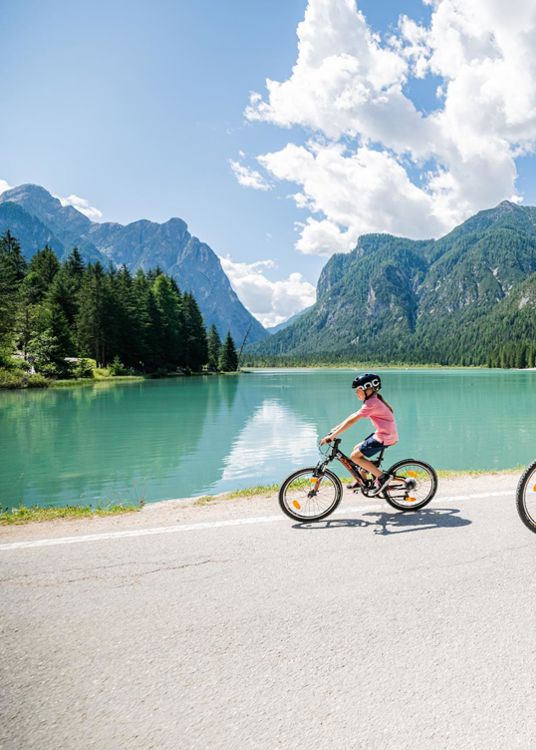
(348, 422)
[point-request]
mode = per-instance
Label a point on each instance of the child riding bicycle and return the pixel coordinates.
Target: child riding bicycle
(381, 415)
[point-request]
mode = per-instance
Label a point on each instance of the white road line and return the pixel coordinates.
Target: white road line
(177, 528)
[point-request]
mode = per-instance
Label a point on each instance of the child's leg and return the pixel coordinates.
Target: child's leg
(359, 459)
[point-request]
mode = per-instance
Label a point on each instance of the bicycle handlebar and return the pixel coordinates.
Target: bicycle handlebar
(334, 444)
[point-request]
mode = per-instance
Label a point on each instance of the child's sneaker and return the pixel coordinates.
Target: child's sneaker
(381, 483)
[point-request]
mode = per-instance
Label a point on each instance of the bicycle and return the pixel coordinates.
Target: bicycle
(313, 493)
(526, 497)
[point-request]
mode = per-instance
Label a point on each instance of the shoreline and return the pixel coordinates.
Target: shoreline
(37, 516)
(252, 369)
(115, 379)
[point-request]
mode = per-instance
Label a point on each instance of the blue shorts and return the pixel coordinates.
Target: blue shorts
(370, 446)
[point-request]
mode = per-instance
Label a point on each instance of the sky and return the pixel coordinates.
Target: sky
(279, 130)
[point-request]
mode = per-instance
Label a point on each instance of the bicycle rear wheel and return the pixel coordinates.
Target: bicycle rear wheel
(526, 497)
(307, 496)
(414, 485)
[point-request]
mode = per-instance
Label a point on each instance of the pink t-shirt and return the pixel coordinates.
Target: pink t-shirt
(382, 418)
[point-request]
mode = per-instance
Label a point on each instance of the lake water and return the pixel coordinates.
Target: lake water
(191, 436)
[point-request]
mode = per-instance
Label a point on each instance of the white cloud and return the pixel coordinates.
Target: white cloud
(373, 161)
(4, 186)
(271, 302)
(248, 177)
(82, 205)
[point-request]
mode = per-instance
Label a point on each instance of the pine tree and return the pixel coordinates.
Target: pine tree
(228, 356)
(141, 290)
(93, 321)
(66, 285)
(170, 311)
(52, 342)
(128, 335)
(12, 269)
(520, 355)
(75, 265)
(214, 347)
(42, 269)
(195, 335)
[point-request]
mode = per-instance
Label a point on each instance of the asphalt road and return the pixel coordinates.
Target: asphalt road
(371, 630)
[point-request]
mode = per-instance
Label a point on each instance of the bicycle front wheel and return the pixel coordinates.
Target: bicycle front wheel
(413, 486)
(309, 496)
(526, 497)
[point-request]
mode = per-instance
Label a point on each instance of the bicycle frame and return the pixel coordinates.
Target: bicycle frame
(347, 462)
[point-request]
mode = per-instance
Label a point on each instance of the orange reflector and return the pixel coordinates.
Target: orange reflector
(296, 504)
(313, 480)
(411, 473)
(534, 488)
(411, 499)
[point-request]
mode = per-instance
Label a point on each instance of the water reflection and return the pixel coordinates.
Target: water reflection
(272, 435)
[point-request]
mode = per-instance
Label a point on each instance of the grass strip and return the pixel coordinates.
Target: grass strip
(453, 473)
(35, 514)
(266, 489)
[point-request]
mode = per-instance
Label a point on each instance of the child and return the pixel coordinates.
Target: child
(381, 415)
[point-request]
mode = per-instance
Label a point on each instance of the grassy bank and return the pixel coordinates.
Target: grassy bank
(35, 514)
(93, 381)
(21, 382)
(269, 489)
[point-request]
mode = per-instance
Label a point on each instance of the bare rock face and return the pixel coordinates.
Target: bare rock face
(36, 218)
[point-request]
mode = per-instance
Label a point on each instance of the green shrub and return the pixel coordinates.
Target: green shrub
(84, 368)
(20, 379)
(37, 381)
(11, 378)
(21, 364)
(101, 373)
(117, 367)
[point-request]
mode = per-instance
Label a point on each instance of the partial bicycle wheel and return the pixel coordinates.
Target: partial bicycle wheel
(307, 496)
(526, 497)
(413, 487)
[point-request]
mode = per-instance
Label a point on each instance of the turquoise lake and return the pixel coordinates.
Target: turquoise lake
(192, 436)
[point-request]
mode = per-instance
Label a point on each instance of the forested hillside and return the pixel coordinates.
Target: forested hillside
(57, 316)
(468, 298)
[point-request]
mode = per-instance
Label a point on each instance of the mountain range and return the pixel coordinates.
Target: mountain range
(36, 218)
(454, 300)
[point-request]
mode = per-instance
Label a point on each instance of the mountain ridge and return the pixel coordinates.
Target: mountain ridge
(139, 244)
(428, 301)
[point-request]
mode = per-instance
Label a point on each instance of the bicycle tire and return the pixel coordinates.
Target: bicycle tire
(293, 511)
(521, 504)
(390, 494)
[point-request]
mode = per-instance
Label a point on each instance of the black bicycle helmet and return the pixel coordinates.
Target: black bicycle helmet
(366, 381)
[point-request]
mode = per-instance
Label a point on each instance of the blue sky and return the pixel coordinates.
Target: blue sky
(139, 108)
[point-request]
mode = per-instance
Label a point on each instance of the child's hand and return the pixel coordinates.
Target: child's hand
(327, 439)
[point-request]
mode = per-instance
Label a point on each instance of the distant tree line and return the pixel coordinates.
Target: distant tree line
(520, 355)
(53, 313)
(512, 355)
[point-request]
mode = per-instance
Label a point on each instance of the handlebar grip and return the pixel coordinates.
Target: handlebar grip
(335, 441)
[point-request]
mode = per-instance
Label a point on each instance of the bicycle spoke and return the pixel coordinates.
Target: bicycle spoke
(413, 486)
(306, 497)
